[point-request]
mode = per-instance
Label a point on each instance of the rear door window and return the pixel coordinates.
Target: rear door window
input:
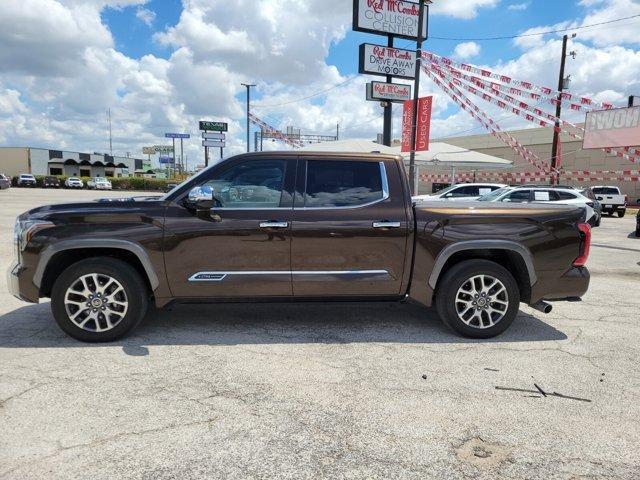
(518, 196)
(335, 184)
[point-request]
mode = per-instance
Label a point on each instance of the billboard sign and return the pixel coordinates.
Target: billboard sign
(148, 150)
(381, 60)
(163, 148)
(388, 17)
(177, 135)
(207, 126)
(213, 136)
(166, 159)
(423, 126)
(618, 127)
(213, 143)
(388, 92)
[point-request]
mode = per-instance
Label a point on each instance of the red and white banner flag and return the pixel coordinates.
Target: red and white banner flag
(407, 123)
(423, 127)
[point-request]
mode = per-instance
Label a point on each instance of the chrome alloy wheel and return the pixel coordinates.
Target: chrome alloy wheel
(482, 301)
(96, 302)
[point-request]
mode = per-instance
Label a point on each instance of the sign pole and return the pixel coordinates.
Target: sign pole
(206, 157)
(181, 156)
(174, 157)
(416, 95)
(388, 109)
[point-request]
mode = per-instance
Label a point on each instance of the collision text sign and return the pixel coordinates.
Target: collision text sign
(390, 92)
(381, 60)
(395, 17)
(619, 127)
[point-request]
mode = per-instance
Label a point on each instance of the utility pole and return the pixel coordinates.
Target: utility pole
(562, 83)
(110, 136)
(248, 85)
(337, 131)
(416, 95)
(388, 108)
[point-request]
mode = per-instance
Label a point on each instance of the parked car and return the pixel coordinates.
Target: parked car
(26, 180)
(611, 199)
(169, 187)
(544, 194)
(597, 206)
(73, 182)
(51, 182)
(298, 226)
(99, 183)
(5, 182)
(460, 191)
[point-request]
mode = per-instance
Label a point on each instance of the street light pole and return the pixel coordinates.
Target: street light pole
(248, 85)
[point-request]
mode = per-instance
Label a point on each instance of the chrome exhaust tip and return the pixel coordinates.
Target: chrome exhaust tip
(543, 307)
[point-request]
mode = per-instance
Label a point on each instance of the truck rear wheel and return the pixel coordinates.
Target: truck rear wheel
(621, 213)
(478, 298)
(99, 299)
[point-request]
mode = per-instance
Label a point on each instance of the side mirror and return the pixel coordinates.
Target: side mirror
(203, 202)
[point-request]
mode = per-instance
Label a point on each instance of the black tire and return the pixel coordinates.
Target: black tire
(638, 231)
(597, 224)
(456, 277)
(135, 289)
(621, 213)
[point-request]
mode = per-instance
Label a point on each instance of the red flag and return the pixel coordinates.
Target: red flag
(407, 121)
(423, 128)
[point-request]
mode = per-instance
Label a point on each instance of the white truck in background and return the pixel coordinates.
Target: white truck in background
(611, 199)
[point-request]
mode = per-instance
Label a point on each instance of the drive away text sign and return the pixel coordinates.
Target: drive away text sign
(618, 127)
(177, 135)
(381, 60)
(388, 92)
(423, 126)
(395, 17)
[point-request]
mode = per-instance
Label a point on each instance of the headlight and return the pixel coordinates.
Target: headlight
(25, 230)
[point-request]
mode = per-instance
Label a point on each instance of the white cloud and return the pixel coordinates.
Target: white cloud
(55, 92)
(466, 50)
(465, 10)
(519, 6)
(146, 16)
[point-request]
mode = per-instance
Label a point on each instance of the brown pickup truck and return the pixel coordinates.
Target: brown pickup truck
(289, 226)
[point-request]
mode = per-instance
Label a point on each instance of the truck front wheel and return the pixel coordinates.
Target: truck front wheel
(478, 298)
(99, 299)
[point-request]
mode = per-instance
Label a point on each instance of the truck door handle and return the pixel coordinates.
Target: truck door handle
(274, 224)
(386, 224)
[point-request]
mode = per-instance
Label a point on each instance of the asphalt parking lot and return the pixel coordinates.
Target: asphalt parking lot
(327, 390)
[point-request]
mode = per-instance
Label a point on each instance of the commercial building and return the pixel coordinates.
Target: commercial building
(602, 168)
(42, 161)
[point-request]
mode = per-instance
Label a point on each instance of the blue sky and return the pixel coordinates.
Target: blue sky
(162, 65)
(135, 39)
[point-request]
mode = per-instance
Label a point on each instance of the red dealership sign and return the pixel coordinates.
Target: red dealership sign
(423, 127)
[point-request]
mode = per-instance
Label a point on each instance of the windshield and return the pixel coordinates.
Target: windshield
(606, 191)
(490, 197)
(446, 190)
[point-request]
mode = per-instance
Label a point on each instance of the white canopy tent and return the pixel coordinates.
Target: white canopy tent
(442, 155)
(439, 154)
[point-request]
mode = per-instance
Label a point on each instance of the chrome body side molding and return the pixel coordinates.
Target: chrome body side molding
(297, 275)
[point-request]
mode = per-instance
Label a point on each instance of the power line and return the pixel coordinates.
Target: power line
(508, 37)
(309, 96)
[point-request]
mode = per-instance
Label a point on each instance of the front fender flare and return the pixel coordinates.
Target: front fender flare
(135, 248)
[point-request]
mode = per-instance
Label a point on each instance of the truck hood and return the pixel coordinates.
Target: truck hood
(96, 207)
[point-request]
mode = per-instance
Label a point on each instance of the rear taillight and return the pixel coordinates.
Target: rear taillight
(585, 244)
